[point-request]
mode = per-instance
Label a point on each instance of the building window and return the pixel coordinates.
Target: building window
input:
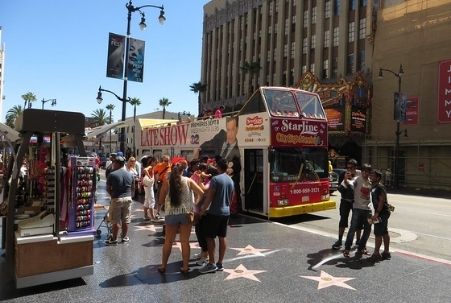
(352, 4)
(350, 64)
(363, 3)
(285, 50)
(336, 7)
(336, 36)
(327, 9)
(270, 8)
(362, 60)
(362, 28)
(327, 38)
(351, 32)
(314, 15)
(312, 67)
(287, 25)
(293, 45)
(326, 68)
(312, 46)
(304, 46)
(304, 69)
(305, 18)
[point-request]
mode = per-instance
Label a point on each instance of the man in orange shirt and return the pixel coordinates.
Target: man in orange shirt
(160, 172)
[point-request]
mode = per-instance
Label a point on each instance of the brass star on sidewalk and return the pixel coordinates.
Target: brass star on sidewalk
(326, 280)
(242, 272)
(145, 227)
(250, 250)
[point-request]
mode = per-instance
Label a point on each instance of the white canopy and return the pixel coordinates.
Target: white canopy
(100, 130)
(9, 133)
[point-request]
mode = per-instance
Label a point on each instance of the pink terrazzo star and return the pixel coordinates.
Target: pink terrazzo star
(326, 280)
(242, 272)
(250, 250)
(145, 227)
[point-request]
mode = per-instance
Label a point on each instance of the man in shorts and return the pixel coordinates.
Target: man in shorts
(119, 184)
(216, 209)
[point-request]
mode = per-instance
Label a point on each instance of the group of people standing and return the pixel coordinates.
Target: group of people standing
(363, 193)
(199, 194)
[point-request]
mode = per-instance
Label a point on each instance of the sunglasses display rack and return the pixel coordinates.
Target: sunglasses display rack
(82, 200)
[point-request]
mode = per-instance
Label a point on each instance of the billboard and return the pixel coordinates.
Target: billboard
(444, 91)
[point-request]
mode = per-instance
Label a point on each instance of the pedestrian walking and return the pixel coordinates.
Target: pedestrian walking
(380, 216)
(360, 210)
(217, 212)
(177, 194)
(119, 184)
(346, 203)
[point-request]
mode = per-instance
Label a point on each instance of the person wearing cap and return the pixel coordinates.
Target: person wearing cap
(119, 185)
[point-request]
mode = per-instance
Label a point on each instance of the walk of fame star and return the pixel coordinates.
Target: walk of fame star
(145, 227)
(326, 280)
(242, 272)
(250, 250)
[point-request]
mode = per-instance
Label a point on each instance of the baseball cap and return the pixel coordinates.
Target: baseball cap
(119, 159)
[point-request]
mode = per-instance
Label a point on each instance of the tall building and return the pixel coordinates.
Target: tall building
(336, 48)
(415, 34)
(2, 73)
(324, 46)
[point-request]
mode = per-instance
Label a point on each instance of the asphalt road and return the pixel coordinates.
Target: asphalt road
(419, 224)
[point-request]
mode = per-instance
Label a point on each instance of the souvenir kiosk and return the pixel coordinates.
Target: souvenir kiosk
(49, 229)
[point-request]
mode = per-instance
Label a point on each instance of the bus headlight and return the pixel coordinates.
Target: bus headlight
(282, 202)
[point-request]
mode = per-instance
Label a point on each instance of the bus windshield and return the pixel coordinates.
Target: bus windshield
(299, 164)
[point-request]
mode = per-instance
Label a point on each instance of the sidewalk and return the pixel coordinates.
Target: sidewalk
(265, 262)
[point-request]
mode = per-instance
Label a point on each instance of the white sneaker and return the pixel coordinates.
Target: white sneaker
(202, 261)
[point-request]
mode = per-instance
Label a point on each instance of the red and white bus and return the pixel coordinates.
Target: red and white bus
(276, 147)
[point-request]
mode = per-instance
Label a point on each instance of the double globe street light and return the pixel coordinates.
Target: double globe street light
(142, 25)
(397, 117)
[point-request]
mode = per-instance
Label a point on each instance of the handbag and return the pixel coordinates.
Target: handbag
(147, 181)
(190, 217)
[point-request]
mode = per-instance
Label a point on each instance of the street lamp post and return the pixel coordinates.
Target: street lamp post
(131, 9)
(398, 131)
(124, 101)
(45, 101)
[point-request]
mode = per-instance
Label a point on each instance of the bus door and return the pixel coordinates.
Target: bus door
(253, 180)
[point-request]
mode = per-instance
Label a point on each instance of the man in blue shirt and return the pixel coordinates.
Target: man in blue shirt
(217, 212)
(119, 184)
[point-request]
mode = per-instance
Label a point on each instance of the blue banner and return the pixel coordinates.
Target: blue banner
(135, 62)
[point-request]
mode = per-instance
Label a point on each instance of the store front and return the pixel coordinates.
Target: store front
(347, 106)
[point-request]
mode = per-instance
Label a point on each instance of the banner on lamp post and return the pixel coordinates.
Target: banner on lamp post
(115, 60)
(135, 66)
(400, 103)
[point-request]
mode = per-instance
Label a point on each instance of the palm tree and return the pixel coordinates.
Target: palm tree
(99, 116)
(198, 88)
(28, 99)
(253, 69)
(110, 107)
(12, 114)
(164, 102)
(135, 102)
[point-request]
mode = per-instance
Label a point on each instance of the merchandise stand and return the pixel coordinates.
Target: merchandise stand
(53, 256)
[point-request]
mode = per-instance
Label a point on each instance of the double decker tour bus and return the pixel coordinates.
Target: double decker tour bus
(276, 147)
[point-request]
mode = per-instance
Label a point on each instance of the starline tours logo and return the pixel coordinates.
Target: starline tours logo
(254, 123)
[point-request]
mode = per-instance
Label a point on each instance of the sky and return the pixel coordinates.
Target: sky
(58, 49)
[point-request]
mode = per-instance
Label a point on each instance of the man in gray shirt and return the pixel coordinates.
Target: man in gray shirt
(119, 184)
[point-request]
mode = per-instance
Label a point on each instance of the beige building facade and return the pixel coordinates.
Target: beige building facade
(415, 34)
(251, 43)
